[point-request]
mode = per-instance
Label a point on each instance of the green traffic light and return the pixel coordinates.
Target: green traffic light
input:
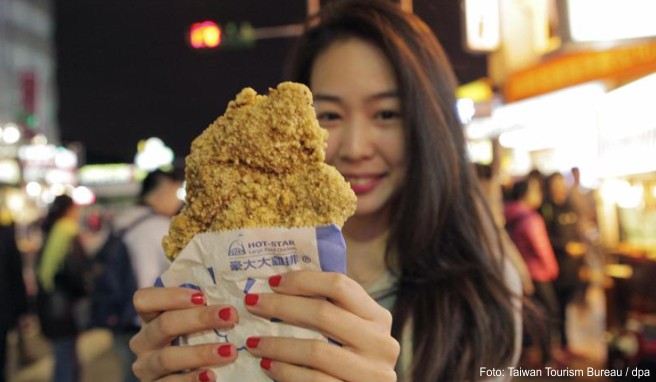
(31, 120)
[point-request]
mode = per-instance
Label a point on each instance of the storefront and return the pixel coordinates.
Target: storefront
(552, 132)
(627, 157)
(551, 67)
(573, 91)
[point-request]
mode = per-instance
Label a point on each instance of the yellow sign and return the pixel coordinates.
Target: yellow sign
(579, 67)
(478, 91)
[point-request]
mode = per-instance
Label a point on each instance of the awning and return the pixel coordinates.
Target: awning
(579, 67)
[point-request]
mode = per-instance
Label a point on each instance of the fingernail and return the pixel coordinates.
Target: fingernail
(274, 281)
(225, 314)
(252, 342)
(251, 299)
(225, 350)
(265, 363)
(198, 299)
(204, 376)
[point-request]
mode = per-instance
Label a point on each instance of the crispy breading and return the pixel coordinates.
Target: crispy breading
(261, 164)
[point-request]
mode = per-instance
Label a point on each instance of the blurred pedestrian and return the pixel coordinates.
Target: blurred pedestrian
(528, 231)
(583, 202)
(62, 270)
(144, 226)
(13, 299)
(569, 244)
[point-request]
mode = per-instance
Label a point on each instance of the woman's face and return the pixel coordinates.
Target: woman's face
(356, 99)
(558, 189)
(534, 195)
(73, 212)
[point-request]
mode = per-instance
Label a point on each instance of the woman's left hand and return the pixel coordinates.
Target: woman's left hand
(340, 309)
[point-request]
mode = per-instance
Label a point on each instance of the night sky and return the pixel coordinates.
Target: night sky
(125, 71)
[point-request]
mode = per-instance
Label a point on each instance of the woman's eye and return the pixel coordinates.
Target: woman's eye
(328, 118)
(387, 115)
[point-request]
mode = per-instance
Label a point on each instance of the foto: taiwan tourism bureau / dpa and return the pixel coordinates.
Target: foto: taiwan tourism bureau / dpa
(566, 372)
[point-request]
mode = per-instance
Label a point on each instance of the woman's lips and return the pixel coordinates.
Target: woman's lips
(364, 184)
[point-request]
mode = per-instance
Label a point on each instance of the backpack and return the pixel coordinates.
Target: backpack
(61, 310)
(114, 283)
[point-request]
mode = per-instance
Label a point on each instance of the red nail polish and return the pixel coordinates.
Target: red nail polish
(265, 363)
(252, 342)
(251, 299)
(225, 350)
(274, 281)
(198, 299)
(225, 314)
(204, 376)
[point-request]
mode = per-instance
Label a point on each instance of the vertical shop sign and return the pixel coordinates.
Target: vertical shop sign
(482, 25)
(28, 91)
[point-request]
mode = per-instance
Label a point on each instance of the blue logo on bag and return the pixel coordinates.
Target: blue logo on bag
(236, 249)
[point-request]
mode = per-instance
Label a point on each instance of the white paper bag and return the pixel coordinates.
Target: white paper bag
(228, 264)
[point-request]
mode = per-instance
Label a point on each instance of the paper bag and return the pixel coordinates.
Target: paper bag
(226, 265)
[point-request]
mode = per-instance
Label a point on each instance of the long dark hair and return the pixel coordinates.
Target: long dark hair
(56, 211)
(451, 282)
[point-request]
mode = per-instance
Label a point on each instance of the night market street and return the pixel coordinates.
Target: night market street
(480, 173)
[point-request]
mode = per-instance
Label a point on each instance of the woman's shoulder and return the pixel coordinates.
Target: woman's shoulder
(513, 282)
(511, 276)
(500, 248)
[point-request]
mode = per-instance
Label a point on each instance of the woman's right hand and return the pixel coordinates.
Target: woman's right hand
(167, 313)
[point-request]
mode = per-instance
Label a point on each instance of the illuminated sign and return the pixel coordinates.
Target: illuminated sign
(482, 25)
(627, 131)
(9, 171)
(581, 67)
(610, 20)
(106, 174)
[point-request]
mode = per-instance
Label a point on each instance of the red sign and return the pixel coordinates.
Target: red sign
(28, 91)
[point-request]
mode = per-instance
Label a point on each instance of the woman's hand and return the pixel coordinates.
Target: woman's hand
(168, 313)
(336, 306)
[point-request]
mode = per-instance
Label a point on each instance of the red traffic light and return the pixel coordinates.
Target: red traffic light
(206, 34)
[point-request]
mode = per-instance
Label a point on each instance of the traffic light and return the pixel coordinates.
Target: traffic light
(209, 35)
(206, 34)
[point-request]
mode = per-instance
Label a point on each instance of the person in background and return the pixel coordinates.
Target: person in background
(426, 272)
(145, 225)
(528, 231)
(582, 200)
(570, 246)
(61, 273)
(13, 298)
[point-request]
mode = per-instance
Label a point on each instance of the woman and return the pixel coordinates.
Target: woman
(61, 273)
(569, 244)
(528, 231)
(421, 242)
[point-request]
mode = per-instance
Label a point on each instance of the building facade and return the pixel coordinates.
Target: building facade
(28, 96)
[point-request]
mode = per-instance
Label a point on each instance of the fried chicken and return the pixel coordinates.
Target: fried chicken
(261, 164)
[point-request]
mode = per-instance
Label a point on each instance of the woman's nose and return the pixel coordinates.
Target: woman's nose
(357, 141)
